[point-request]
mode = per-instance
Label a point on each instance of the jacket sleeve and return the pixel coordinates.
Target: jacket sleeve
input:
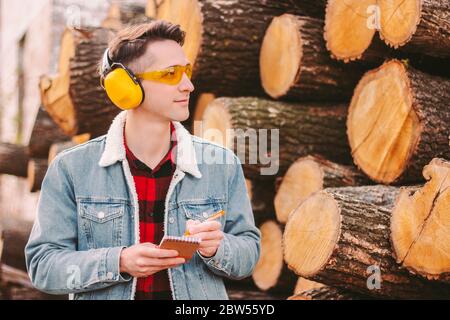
(54, 265)
(239, 250)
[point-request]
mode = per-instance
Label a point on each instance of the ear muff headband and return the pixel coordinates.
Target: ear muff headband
(122, 87)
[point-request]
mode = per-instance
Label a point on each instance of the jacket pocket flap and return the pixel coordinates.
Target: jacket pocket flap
(101, 212)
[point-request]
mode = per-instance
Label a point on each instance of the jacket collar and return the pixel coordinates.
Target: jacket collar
(185, 158)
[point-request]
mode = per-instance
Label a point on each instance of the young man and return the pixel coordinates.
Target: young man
(105, 205)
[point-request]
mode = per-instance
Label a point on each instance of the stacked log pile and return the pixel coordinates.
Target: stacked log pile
(345, 193)
(339, 112)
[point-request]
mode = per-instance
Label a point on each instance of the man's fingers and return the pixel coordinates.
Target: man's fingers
(159, 253)
(160, 263)
(211, 235)
(209, 244)
(149, 244)
(205, 226)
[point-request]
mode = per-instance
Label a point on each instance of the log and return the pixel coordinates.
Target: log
(121, 14)
(37, 168)
(421, 26)
(13, 276)
(201, 104)
(304, 284)
(61, 146)
(328, 293)
(294, 48)
(420, 224)
(314, 9)
(261, 194)
(271, 273)
(302, 128)
(308, 175)
(45, 132)
(247, 294)
(74, 98)
(16, 285)
(13, 159)
(418, 27)
(396, 124)
(152, 7)
(14, 237)
(348, 33)
(224, 37)
(340, 237)
(58, 147)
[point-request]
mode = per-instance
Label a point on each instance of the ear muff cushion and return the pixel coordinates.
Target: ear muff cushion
(122, 90)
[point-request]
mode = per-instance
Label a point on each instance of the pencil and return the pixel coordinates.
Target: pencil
(213, 217)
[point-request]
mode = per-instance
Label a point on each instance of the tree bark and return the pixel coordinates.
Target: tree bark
(271, 273)
(14, 238)
(45, 132)
(74, 98)
(347, 33)
(396, 124)
(224, 39)
(261, 194)
(420, 222)
(425, 29)
(328, 293)
(15, 285)
(308, 175)
(303, 129)
(304, 69)
(37, 168)
(13, 159)
(122, 14)
(347, 244)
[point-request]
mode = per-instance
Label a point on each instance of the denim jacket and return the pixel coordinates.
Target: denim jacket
(87, 213)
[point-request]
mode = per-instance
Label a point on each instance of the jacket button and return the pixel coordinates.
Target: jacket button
(109, 275)
(101, 215)
(171, 220)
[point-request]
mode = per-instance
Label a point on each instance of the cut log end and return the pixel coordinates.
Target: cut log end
(189, 16)
(399, 20)
(279, 67)
(347, 28)
(303, 178)
(216, 124)
(55, 94)
(420, 224)
(309, 240)
(270, 264)
(382, 127)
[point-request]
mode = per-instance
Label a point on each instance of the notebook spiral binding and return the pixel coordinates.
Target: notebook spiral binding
(183, 239)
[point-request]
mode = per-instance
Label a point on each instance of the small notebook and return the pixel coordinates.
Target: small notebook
(186, 246)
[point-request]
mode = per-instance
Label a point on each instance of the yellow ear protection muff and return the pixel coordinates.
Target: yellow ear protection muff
(122, 87)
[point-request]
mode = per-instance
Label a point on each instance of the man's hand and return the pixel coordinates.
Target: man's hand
(210, 234)
(144, 259)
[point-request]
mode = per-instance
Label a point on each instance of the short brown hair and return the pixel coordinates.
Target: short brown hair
(131, 42)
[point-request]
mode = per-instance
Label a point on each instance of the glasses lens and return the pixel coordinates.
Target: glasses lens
(189, 71)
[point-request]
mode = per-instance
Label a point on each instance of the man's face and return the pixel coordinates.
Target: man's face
(160, 98)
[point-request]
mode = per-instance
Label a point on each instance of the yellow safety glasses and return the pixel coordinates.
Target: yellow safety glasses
(171, 75)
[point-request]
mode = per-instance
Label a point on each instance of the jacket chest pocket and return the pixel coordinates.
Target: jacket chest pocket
(102, 223)
(202, 209)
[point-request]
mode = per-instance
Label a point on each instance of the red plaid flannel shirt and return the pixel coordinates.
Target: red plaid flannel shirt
(151, 187)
